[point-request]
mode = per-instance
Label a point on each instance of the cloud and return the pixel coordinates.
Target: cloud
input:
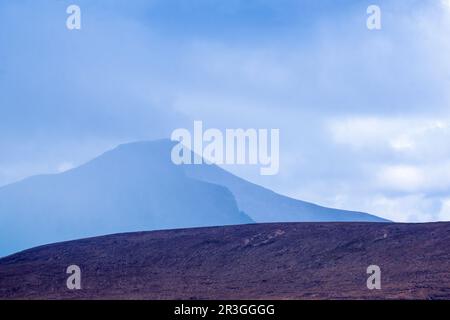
(410, 208)
(414, 137)
(402, 160)
(400, 178)
(444, 213)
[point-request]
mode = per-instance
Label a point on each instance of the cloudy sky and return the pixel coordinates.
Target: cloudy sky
(364, 116)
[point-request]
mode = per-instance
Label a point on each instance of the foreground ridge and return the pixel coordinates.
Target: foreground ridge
(259, 261)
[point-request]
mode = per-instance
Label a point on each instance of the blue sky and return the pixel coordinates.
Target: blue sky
(363, 115)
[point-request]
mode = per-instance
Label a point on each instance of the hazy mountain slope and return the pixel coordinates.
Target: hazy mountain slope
(264, 205)
(272, 261)
(133, 187)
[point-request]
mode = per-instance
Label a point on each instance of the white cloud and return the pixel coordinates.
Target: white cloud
(402, 143)
(411, 208)
(444, 213)
(401, 178)
(415, 137)
(429, 178)
(406, 165)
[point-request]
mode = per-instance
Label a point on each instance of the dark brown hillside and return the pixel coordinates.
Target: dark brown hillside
(264, 261)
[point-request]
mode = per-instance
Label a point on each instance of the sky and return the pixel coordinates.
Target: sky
(364, 115)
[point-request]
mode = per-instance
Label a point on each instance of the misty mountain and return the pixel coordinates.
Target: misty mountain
(136, 187)
(131, 188)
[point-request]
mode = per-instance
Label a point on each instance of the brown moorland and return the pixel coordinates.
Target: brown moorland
(257, 261)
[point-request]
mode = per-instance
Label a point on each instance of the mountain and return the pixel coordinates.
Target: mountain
(134, 187)
(264, 205)
(256, 261)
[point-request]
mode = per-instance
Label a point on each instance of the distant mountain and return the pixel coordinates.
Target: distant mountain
(264, 205)
(257, 261)
(131, 188)
(136, 187)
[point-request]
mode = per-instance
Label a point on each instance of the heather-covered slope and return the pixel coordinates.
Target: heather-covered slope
(280, 261)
